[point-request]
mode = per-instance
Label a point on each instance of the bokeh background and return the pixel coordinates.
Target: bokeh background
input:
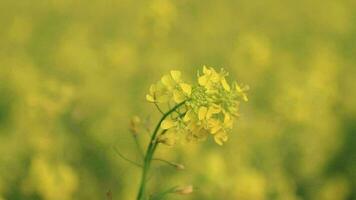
(73, 73)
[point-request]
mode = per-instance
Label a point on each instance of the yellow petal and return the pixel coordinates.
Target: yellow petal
(164, 98)
(150, 98)
(206, 70)
(213, 72)
(215, 77)
(202, 113)
(203, 80)
(241, 91)
(168, 82)
(244, 97)
(152, 89)
(218, 141)
(225, 85)
(187, 89)
(215, 129)
(220, 138)
(228, 121)
(167, 124)
(176, 75)
(178, 96)
(215, 126)
(212, 110)
(187, 116)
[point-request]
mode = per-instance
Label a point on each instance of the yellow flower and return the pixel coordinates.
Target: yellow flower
(171, 87)
(209, 106)
(208, 78)
(158, 94)
(219, 129)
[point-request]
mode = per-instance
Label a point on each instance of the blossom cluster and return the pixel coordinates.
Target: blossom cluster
(207, 108)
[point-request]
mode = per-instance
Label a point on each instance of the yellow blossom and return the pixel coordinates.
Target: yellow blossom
(170, 87)
(209, 106)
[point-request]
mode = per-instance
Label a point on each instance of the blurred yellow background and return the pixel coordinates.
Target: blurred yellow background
(73, 73)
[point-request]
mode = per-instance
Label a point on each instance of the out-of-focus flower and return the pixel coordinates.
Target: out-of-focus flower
(134, 125)
(209, 106)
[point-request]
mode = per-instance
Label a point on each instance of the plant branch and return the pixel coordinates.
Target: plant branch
(138, 145)
(126, 159)
(151, 150)
(173, 164)
(158, 108)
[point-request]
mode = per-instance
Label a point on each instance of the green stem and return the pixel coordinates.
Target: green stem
(139, 149)
(126, 159)
(150, 152)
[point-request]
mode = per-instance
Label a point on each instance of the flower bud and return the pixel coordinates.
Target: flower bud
(166, 141)
(134, 125)
(184, 190)
(179, 166)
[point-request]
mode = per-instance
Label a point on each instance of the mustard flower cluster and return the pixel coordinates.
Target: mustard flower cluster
(207, 108)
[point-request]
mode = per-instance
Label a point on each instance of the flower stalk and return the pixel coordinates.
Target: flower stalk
(150, 152)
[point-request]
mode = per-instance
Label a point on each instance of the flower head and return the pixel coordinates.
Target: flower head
(209, 106)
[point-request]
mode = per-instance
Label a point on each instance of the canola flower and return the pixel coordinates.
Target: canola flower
(209, 106)
(194, 112)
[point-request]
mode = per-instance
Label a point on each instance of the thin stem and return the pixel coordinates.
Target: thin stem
(151, 150)
(173, 164)
(126, 159)
(162, 194)
(158, 108)
(163, 160)
(139, 149)
(146, 126)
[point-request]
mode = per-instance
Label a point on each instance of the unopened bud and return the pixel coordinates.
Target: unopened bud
(184, 190)
(180, 166)
(169, 141)
(134, 124)
(173, 164)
